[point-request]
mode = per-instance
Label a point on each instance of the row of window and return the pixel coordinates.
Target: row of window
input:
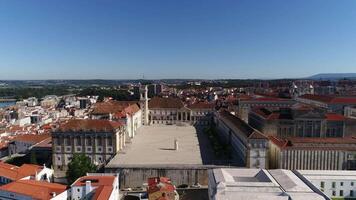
(341, 193)
(100, 159)
(88, 141)
(333, 184)
(174, 113)
(265, 105)
(309, 131)
(79, 149)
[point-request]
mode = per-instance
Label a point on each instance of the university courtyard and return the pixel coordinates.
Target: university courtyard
(181, 152)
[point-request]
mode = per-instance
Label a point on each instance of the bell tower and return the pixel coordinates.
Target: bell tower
(144, 105)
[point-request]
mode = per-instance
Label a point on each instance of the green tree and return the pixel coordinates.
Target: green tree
(79, 166)
(101, 98)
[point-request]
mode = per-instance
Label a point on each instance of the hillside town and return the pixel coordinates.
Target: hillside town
(272, 140)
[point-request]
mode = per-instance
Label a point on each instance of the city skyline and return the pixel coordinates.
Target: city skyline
(176, 39)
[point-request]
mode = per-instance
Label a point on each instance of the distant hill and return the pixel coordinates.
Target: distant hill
(333, 76)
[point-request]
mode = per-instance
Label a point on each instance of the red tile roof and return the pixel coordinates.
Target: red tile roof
(346, 143)
(302, 106)
(331, 99)
(159, 102)
(111, 107)
(266, 113)
(270, 99)
(104, 185)
(201, 105)
(273, 115)
(282, 143)
(344, 100)
(95, 180)
(264, 99)
(132, 109)
(334, 117)
(334, 140)
(78, 125)
(244, 97)
(40, 190)
(13, 172)
(45, 143)
(102, 193)
(31, 138)
(156, 184)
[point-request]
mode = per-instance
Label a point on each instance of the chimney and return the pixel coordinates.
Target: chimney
(87, 187)
(53, 194)
(175, 144)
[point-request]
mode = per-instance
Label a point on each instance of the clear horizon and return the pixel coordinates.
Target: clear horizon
(242, 39)
(353, 75)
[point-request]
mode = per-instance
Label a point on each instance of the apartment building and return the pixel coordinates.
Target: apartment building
(328, 102)
(336, 184)
(173, 111)
(97, 139)
(96, 186)
(298, 121)
(245, 103)
(126, 112)
(312, 153)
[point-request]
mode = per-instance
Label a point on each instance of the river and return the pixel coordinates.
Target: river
(6, 104)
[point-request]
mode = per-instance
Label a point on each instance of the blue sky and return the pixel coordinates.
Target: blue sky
(124, 39)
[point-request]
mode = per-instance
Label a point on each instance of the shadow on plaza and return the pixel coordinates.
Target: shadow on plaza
(208, 155)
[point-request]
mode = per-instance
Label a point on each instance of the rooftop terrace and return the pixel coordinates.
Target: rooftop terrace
(154, 146)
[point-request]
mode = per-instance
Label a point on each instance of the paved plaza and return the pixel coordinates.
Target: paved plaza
(154, 146)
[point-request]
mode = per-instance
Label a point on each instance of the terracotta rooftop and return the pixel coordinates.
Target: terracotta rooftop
(159, 102)
(40, 190)
(331, 99)
(102, 192)
(334, 117)
(244, 97)
(31, 138)
(302, 106)
(159, 184)
(95, 181)
(79, 125)
(288, 114)
(13, 172)
(265, 99)
(132, 109)
(201, 105)
(46, 143)
(346, 143)
(111, 107)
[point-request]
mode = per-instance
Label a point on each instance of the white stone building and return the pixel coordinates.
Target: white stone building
(126, 112)
(171, 110)
(249, 146)
(334, 183)
(100, 140)
(259, 184)
(350, 112)
(105, 187)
